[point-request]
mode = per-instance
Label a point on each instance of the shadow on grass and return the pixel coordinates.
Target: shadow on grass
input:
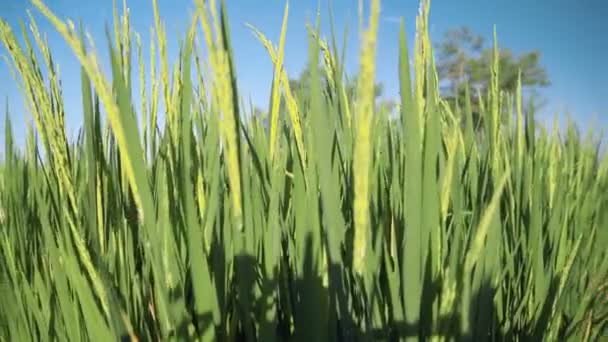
(299, 305)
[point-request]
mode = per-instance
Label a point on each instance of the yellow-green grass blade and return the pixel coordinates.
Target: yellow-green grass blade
(363, 142)
(275, 95)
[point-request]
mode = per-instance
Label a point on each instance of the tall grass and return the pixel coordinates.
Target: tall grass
(340, 221)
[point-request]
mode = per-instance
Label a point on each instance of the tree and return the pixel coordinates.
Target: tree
(464, 58)
(301, 85)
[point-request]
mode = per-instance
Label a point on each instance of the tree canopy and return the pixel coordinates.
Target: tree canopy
(463, 57)
(465, 60)
(301, 84)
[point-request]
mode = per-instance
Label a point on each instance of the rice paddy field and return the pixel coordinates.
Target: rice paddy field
(337, 220)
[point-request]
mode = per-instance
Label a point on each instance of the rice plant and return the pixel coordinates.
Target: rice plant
(340, 221)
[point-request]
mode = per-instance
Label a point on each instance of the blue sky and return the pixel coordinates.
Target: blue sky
(571, 35)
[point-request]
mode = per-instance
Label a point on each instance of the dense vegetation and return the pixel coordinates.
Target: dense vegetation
(337, 222)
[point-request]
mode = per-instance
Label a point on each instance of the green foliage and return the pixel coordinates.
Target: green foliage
(301, 85)
(463, 57)
(196, 231)
(464, 67)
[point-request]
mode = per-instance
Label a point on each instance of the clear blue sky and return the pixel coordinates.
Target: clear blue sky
(572, 36)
